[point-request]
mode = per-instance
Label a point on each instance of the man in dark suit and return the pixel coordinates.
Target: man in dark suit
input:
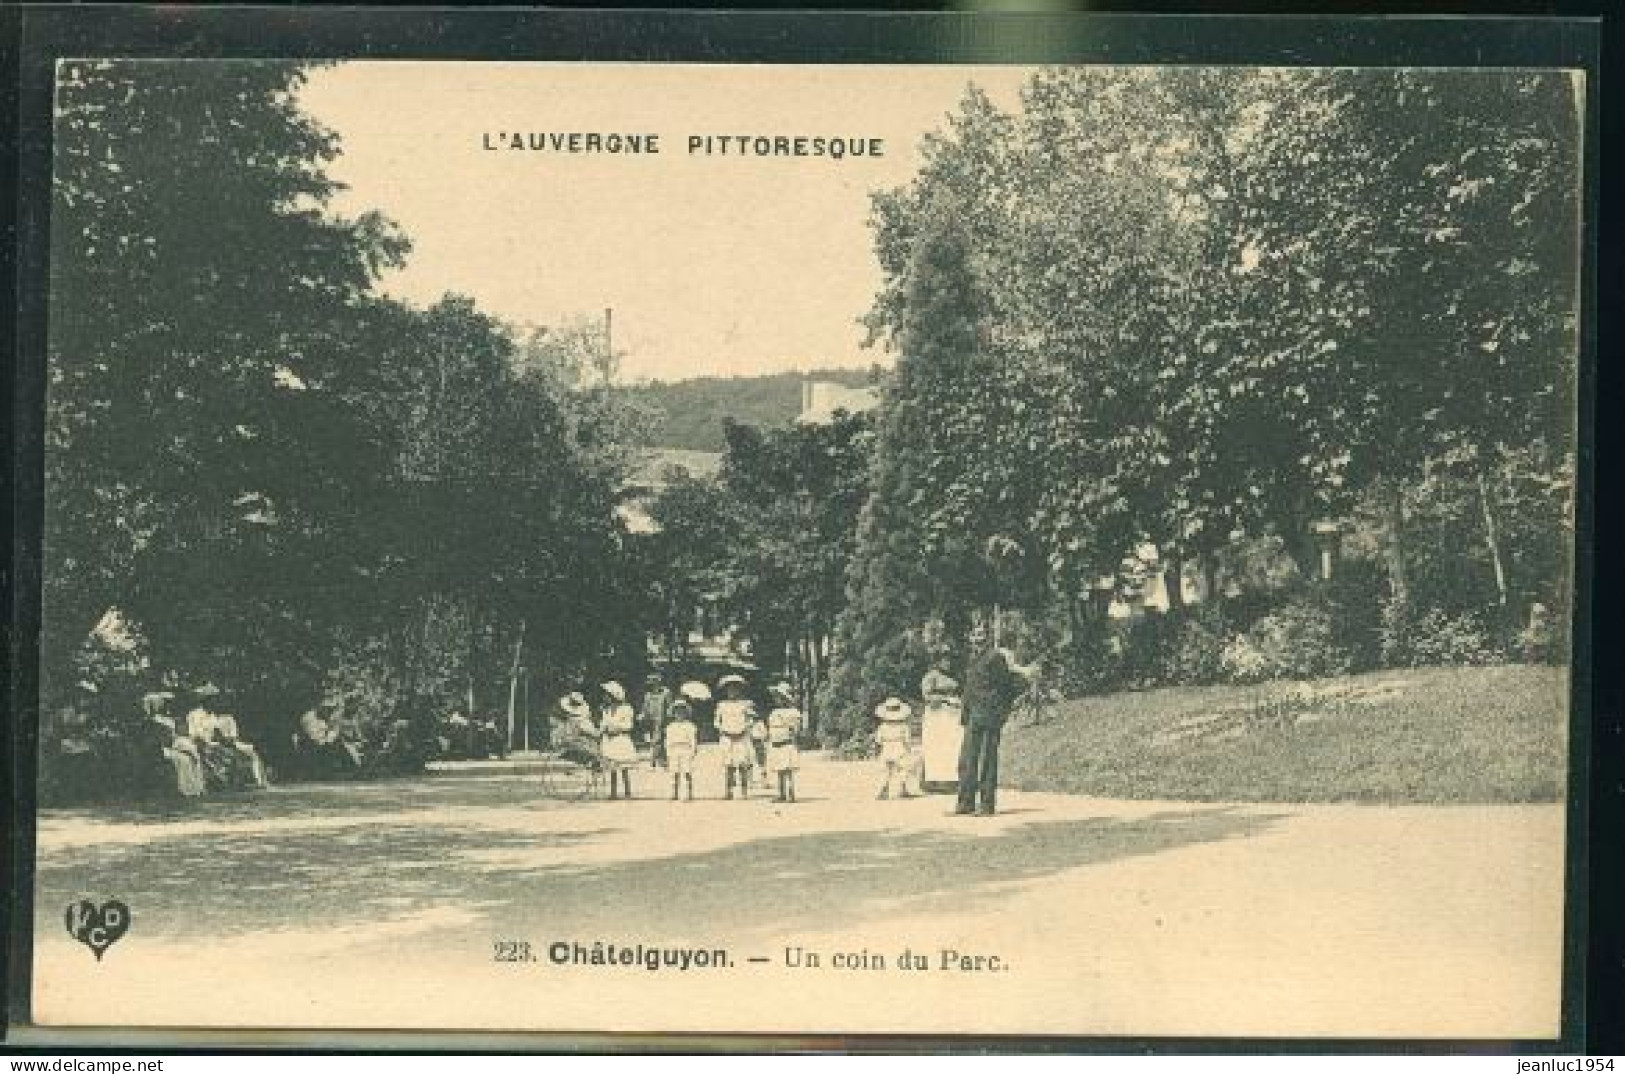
(992, 683)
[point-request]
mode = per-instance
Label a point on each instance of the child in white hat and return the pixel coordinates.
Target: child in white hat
(734, 715)
(896, 746)
(682, 746)
(784, 724)
(620, 752)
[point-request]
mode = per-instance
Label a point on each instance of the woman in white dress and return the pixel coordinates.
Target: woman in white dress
(620, 752)
(178, 750)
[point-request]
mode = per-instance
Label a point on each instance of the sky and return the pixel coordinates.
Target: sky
(714, 265)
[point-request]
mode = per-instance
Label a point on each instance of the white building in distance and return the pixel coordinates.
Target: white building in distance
(821, 400)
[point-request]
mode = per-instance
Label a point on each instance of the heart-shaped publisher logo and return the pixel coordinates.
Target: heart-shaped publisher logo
(98, 927)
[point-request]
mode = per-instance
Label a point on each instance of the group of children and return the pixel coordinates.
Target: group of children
(755, 745)
(758, 749)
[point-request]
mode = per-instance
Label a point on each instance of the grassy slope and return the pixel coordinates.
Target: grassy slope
(1492, 734)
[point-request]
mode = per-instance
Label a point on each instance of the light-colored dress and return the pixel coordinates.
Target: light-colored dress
(182, 755)
(733, 723)
(942, 730)
(894, 739)
(618, 748)
(783, 725)
(682, 745)
(223, 767)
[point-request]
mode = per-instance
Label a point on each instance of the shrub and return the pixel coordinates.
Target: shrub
(1435, 636)
(1299, 640)
(1441, 638)
(1241, 661)
(1089, 662)
(1397, 632)
(1196, 655)
(859, 682)
(1353, 598)
(1145, 646)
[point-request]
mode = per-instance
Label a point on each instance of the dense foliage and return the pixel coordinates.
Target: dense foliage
(1155, 330)
(1184, 308)
(270, 478)
(768, 541)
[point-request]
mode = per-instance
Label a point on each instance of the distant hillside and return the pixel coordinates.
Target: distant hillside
(694, 409)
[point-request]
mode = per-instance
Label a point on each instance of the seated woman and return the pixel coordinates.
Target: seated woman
(324, 751)
(577, 738)
(257, 776)
(222, 765)
(179, 750)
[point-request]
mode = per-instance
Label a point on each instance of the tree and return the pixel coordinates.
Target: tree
(495, 524)
(1215, 305)
(202, 298)
(287, 483)
(944, 484)
(800, 488)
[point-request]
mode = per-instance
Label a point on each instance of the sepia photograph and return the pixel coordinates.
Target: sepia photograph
(809, 549)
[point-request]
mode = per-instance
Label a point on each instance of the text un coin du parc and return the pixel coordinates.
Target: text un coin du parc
(607, 954)
(829, 147)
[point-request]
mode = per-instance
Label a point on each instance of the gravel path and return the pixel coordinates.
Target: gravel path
(383, 905)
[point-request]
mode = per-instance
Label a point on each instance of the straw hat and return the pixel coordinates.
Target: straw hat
(783, 691)
(696, 691)
(730, 680)
(208, 689)
(893, 710)
(614, 690)
(575, 704)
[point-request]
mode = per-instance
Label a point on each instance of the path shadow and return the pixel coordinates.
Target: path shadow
(544, 885)
(824, 880)
(308, 800)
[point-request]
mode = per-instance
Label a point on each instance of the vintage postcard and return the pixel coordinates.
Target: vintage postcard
(799, 549)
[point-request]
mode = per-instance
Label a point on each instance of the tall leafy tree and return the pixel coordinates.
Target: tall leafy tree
(202, 297)
(1220, 304)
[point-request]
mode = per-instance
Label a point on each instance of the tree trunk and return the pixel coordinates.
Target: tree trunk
(1173, 584)
(1393, 544)
(1207, 579)
(1492, 538)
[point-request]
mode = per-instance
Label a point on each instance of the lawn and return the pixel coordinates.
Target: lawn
(1477, 734)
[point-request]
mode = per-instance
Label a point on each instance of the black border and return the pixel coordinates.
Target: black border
(35, 35)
